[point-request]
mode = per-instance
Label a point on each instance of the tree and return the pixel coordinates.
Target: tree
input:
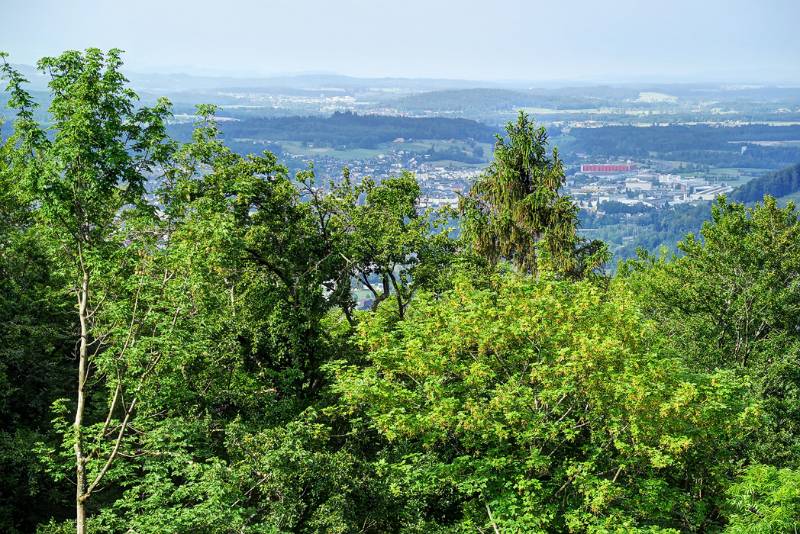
(731, 300)
(391, 247)
(259, 243)
(81, 182)
(33, 371)
(763, 500)
(540, 405)
(229, 439)
(514, 211)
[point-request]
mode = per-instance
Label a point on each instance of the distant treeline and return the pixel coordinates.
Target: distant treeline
(474, 155)
(481, 100)
(349, 130)
(697, 144)
(704, 144)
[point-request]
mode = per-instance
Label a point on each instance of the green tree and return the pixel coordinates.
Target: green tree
(515, 210)
(391, 247)
(80, 182)
(763, 500)
(540, 405)
(731, 300)
(229, 439)
(33, 369)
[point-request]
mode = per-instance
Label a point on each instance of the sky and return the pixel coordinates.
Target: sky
(737, 41)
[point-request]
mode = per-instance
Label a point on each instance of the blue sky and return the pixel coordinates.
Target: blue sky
(753, 41)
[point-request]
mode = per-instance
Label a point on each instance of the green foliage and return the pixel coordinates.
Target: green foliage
(553, 404)
(101, 146)
(389, 245)
(765, 499)
(731, 301)
(74, 188)
(228, 382)
(515, 211)
(33, 369)
(734, 285)
(238, 279)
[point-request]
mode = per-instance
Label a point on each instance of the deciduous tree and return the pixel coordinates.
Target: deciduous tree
(81, 180)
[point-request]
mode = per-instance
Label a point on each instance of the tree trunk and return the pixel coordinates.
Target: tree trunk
(80, 459)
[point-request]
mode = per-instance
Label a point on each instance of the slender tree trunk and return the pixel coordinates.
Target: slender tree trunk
(491, 519)
(80, 459)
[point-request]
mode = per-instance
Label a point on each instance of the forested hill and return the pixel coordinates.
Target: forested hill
(348, 130)
(778, 184)
(745, 146)
(482, 99)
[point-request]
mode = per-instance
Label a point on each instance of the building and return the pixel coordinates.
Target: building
(607, 168)
(638, 185)
(710, 192)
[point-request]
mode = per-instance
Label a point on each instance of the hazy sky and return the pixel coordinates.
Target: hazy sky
(592, 40)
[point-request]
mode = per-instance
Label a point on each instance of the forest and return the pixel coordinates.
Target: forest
(744, 146)
(777, 184)
(349, 130)
(190, 356)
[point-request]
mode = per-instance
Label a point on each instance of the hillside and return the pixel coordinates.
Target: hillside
(483, 100)
(744, 146)
(778, 184)
(347, 130)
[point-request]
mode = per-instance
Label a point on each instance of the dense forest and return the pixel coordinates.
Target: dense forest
(722, 146)
(349, 130)
(194, 358)
(777, 184)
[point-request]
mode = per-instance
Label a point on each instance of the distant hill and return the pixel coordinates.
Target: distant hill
(488, 99)
(180, 81)
(350, 130)
(315, 82)
(766, 146)
(778, 184)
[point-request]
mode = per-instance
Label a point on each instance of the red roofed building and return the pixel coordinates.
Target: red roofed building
(607, 168)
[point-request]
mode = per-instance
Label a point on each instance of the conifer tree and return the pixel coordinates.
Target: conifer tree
(515, 210)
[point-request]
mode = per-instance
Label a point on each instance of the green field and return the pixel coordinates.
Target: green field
(301, 149)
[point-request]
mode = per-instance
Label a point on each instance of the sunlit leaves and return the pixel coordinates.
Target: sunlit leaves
(545, 381)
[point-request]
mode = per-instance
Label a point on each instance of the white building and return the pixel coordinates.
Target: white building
(636, 184)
